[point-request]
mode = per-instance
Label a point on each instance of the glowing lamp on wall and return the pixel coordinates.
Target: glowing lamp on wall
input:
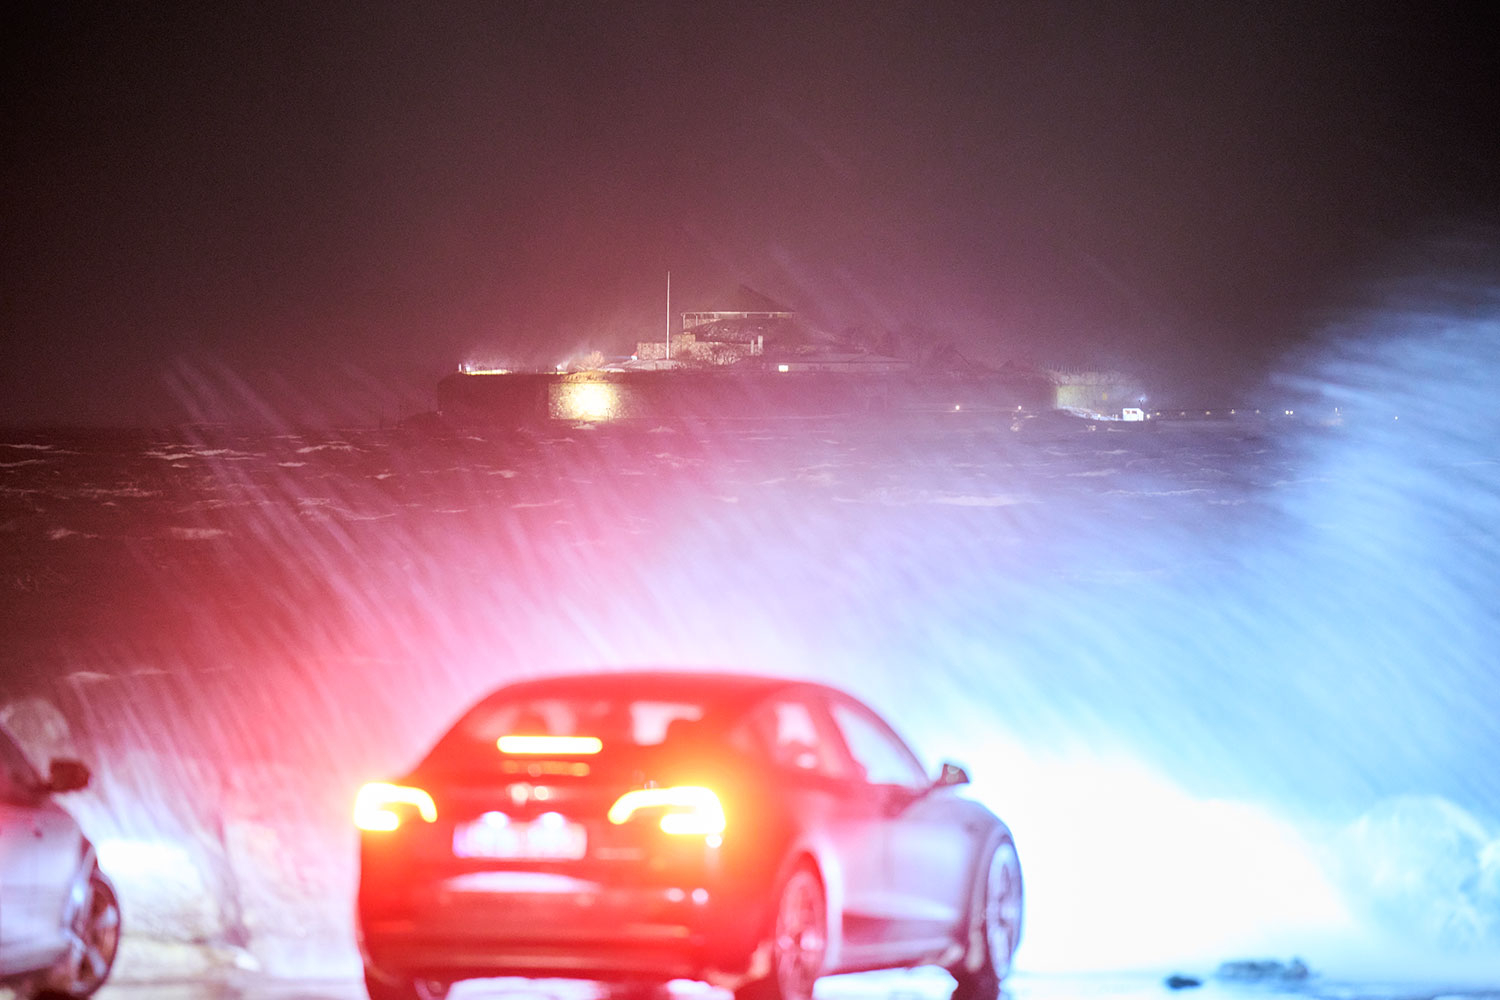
(586, 401)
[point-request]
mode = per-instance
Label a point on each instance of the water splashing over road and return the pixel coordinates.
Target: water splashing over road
(1229, 682)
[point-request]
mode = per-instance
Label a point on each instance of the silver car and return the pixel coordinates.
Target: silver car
(59, 916)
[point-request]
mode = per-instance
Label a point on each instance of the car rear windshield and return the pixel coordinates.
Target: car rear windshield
(616, 722)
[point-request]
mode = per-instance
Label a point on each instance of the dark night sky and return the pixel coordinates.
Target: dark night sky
(315, 198)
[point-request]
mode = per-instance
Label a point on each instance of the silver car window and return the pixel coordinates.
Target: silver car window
(885, 759)
(18, 779)
(793, 736)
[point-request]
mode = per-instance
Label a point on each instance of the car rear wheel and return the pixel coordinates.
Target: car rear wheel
(93, 941)
(409, 989)
(799, 941)
(994, 928)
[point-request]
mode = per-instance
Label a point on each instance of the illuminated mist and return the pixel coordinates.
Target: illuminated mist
(1230, 683)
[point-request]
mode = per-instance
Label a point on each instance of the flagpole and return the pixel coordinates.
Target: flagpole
(669, 314)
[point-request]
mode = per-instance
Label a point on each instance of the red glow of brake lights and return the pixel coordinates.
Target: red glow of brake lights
(690, 809)
(373, 806)
(561, 745)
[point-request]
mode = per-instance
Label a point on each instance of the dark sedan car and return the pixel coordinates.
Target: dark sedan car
(751, 832)
(59, 920)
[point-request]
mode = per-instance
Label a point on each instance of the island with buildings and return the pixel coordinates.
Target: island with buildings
(755, 359)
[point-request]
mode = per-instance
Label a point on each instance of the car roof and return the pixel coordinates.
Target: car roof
(713, 686)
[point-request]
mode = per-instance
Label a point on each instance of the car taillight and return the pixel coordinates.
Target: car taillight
(550, 745)
(685, 809)
(383, 807)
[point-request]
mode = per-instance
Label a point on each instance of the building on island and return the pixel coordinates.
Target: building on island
(751, 325)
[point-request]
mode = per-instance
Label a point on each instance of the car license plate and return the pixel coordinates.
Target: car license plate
(549, 837)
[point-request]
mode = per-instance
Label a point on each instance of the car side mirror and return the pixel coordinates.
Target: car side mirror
(67, 776)
(951, 775)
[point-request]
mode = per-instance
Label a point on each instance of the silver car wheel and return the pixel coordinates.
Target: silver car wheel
(1002, 908)
(94, 940)
(801, 936)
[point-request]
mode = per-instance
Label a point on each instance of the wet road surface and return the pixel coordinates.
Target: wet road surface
(894, 986)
